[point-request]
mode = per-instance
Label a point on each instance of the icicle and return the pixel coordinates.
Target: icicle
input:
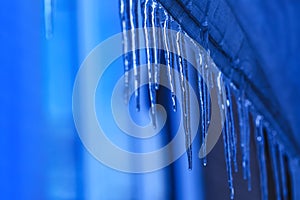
(245, 136)
(201, 85)
(207, 79)
(247, 144)
(167, 44)
(222, 101)
(188, 109)
(283, 174)
(48, 16)
(274, 160)
(200, 68)
(127, 58)
(227, 151)
(133, 5)
(206, 72)
(260, 143)
(147, 11)
(205, 105)
(233, 140)
(185, 94)
(207, 84)
(154, 38)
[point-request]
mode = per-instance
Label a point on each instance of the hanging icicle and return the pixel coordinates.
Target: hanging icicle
(146, 8)
(283, 178)
(183, 71)
(224, 111)
(273, 149)
(168, 56)
(134, 22)
(154, 40)
(199, 62)
(230, 119)
(127, 58)
(243, 118)
(260, 145)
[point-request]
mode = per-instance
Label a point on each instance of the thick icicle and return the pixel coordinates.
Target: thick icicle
(48, 17)
(167, 44)
(260, 143)
(183, 71)
(274, 160)
(134, 22)
(146, 8)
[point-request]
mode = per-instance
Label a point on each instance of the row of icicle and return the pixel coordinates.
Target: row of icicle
(154, 15)
(151, 14)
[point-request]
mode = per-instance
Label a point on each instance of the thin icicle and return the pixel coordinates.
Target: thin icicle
(260, 143)
(48, 17)
(187, 104)
(167, 44)
(207, 79)
(199, 65)
(146, 11)
(133, 5)
(243, 115)
(127, 58)
(185, 95)
(247, 144)
(154, 38)
(201, 85)
(283, 174)
(233, 140)
(222, 101)
(274, 160)
(227, 150)
(205, 104)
